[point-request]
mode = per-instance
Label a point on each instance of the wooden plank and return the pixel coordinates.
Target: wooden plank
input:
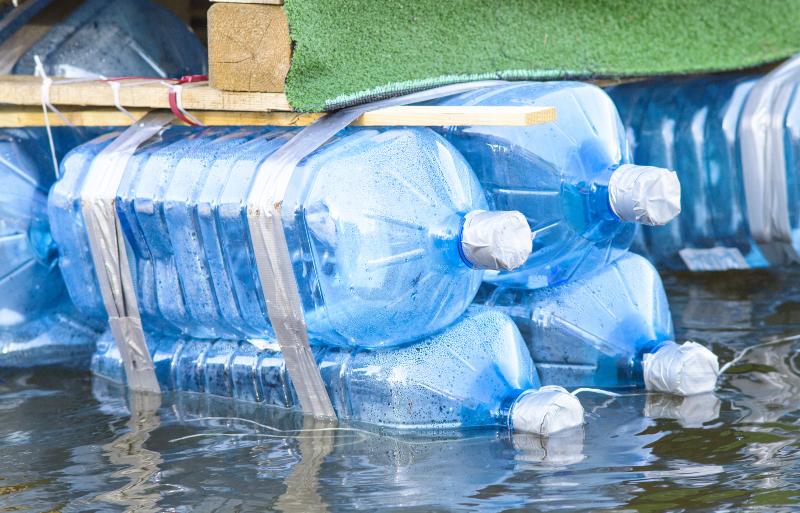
(248, 47)
(26, 90)
(435, 115)
(411, 115)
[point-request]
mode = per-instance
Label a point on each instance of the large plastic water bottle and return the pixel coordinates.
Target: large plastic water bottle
(572, 179)
(37, 323)
(609, 330)
(475, 373)
(117, 38)
(387, 229)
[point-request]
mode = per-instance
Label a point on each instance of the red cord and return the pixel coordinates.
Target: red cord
(173, 100)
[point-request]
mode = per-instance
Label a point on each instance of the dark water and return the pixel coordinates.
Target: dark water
(68, 444)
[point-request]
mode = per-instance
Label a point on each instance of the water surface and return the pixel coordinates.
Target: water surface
(68, 443)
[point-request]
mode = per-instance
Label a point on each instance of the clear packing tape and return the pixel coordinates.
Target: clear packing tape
(273, 260)
(761, 136)
(275, 271)
(109, 252)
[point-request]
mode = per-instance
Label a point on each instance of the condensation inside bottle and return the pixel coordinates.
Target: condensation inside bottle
(555, 173)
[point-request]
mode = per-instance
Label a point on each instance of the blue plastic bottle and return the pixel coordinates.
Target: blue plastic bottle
(377, 221)
(477, 372)
(692, 125)
(117, 38)
(37, 321)
(570, 178)
(38, 325)
(597, 331)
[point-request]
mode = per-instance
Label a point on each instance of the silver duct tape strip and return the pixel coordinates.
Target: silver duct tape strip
(278, 282)
(761, 135)
(107, 245)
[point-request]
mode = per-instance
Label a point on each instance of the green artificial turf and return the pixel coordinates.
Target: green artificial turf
(349, 51)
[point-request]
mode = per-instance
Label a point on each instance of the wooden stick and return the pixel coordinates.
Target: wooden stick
(27, 90)
(404, 116)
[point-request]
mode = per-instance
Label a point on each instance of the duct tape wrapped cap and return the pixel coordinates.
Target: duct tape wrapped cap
(548, 410)
(644, 194)
(499, 241)
(686, 369)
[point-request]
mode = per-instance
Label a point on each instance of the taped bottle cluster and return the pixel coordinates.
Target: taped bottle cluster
(447, 277)
(734, 140)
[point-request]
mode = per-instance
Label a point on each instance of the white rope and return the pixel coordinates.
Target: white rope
(47, 106)
(594, 391)
(115, 87)
(746, 350)
(45, 98)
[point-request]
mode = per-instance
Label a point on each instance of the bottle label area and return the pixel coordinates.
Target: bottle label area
(713, 259)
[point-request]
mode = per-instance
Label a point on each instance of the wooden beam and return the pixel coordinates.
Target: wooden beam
(27, 90)
(404, 116)
(248, 47)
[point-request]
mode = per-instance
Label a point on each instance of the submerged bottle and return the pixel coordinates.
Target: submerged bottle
(572, 179)
(703, 126)
(477, 372)
(387, 229)
(609, 330)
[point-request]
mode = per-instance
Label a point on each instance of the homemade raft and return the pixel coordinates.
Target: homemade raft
(329, 262)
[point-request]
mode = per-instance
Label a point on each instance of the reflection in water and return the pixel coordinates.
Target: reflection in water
(139, 465)
(64, 448)
(302, 485)
(768, 382)
(561, 449)
(690, 412)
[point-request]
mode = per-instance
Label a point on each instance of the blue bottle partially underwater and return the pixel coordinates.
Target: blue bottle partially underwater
(477, 372)
(572, 179)
(38, 324)
(612, 330)
(387, 229)
(735, 140)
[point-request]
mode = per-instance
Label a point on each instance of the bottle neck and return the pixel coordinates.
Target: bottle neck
(42, 243)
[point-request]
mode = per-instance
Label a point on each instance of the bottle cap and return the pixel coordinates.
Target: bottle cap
(686, 369)
(545, 411)
(499, 241)
(644, 194)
